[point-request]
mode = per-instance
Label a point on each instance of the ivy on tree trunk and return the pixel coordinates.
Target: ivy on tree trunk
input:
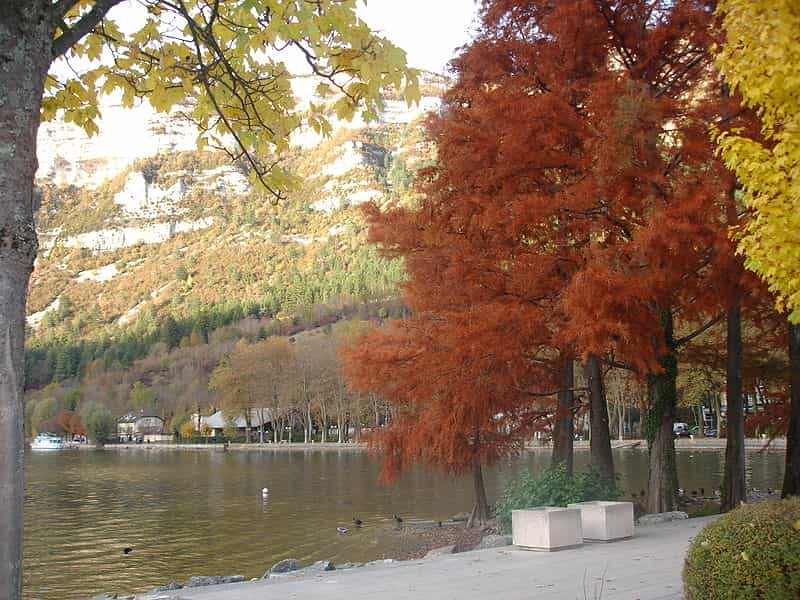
(662, 392)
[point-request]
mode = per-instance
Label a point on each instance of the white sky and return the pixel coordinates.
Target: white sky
(428, 30)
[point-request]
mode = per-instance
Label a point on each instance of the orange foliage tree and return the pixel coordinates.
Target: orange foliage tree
(457, 389)
(578, 203)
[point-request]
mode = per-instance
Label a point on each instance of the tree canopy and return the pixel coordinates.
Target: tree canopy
(224, 63)
(759, 60)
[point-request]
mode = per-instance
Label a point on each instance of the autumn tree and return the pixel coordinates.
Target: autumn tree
(142, 396)
(456, 402)
(248, 381)
(759, 59)
(223, 60)
(612, 234)
(98, 421)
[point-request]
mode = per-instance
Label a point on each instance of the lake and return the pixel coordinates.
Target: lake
(190, 513)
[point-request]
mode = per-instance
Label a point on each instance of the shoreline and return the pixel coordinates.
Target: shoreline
(682, 444)
(648, 564)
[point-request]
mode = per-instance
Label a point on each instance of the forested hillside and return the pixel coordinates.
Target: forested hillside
(176, 250)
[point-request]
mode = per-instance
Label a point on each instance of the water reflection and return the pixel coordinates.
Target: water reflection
(194, 513)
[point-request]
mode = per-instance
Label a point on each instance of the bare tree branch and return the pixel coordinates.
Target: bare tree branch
(688, 338)
(72, 35)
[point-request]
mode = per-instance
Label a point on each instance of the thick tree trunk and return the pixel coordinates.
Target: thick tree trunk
(480, 510)
(791, 476)
(563, 430)
(662, 484)
(733, 481)
(25, 38)
(599, 434)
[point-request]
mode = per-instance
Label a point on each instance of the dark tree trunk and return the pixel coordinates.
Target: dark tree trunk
(791, 476)
(563, 429)
(662, 482)
(733, 481)
(25, 40)
(599, 434)
(480, 510)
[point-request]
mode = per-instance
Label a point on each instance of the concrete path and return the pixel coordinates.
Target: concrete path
(647, 567)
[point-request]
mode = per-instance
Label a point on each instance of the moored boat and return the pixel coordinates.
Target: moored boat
(47, 441)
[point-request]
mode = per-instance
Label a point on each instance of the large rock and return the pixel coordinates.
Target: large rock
(675, 515)
(284, 566)
(319, 567)
(441, 551)
(349, 565)
(167, 588)
(204, 580)
(493, 541)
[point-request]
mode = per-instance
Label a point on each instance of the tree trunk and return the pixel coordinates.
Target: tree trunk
(718, 415)
(733, 480)
(308, 425)
(480, 510)
(662, 484)
(563, 429)
(791, 476)
(26, 33)
(599, 434)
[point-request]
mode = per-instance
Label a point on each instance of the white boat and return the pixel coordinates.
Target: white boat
(47, 441)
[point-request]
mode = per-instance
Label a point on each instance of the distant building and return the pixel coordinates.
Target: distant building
(260, 420)
(144, 425)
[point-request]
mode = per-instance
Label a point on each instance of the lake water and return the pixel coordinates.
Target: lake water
(190, 513)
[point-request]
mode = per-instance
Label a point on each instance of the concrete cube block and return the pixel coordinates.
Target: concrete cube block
(605, 521)
(546, 528)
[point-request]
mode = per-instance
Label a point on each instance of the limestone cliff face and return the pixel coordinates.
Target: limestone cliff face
(124, 209)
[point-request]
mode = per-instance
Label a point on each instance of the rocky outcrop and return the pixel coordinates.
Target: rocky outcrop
(204, 580)
(293, 568)
(284, 566)
(174, 585)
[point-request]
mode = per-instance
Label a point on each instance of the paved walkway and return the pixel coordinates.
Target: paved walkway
(647, 567)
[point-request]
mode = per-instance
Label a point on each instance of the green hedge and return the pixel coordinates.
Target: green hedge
(552, 487)
(752, 552)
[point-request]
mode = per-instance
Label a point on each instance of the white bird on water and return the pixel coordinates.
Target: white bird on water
(264, 492)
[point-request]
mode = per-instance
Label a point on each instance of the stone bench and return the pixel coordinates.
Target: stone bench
(604, 521)
(547, 528)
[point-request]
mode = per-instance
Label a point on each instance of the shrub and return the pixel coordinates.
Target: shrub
(751, 552)
(99, 422)
(553, 487)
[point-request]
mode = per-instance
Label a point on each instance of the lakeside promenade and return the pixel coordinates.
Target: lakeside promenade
(778, 444)
(646, 567)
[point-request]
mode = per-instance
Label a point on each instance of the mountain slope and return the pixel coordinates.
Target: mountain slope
(137, 227)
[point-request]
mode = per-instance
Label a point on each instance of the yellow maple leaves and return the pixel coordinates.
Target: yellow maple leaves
(224, 64)
(761, 59)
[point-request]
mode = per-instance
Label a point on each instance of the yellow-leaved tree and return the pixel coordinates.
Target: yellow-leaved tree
(760, 59)
(222, 61)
